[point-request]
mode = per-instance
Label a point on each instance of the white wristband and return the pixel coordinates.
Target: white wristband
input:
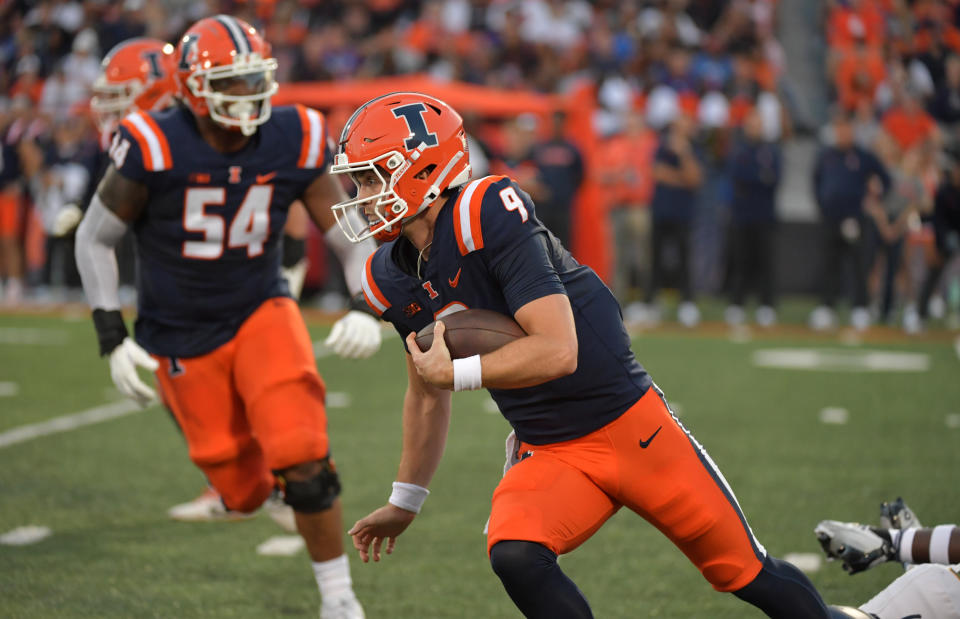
(467, 374)
(408, 496)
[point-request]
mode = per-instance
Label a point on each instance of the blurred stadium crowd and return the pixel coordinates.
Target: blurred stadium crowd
(693, 108)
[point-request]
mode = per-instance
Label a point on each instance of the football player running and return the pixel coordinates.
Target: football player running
(206, 187)
(594, 433)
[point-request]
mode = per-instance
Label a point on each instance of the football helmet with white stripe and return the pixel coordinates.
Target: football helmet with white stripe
(224, 69)
(416, 146)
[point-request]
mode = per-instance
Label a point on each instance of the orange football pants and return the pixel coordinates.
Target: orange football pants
(252, 406)
(560, 494)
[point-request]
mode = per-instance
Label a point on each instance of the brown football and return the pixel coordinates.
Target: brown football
(473, 332)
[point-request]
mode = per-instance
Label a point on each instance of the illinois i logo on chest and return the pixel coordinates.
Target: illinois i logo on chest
(452, 282)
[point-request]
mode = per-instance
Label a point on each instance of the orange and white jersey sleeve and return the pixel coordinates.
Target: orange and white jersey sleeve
(315, 148)
(140, 147)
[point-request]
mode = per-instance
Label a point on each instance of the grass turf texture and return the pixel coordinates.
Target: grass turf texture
(104, 489)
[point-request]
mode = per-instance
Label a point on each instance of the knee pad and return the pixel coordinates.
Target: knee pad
(312, 495)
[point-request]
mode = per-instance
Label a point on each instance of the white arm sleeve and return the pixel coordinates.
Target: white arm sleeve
(352, 256)
(99, 233)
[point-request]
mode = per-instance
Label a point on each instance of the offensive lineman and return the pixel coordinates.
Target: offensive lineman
(206, 187)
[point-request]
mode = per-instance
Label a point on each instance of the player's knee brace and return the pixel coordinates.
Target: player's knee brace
(781, 590)
(316, 492)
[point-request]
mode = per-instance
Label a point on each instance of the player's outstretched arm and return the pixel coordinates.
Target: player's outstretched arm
(357, 334)
(426, 419)
(117, 202)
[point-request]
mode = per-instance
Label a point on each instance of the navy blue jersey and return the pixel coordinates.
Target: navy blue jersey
(491, 252)
(208, 241)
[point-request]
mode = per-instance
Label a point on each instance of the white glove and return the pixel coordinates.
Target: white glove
(355, 336)
(123, 370)
(66, 220)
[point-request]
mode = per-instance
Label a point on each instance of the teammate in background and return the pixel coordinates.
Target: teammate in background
(206, 188)
(931, 585)
(594, 432)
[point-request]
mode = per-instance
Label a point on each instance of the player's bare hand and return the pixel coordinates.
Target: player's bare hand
(435, 365)
(385, 523)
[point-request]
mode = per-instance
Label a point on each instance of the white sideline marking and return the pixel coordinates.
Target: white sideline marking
(338, 399)
(956, 346)
(281, 546)
(490, 407)
(65, 423)
(33, 337)
(953, 421)
(841, 360)
(834, 415)
(9, 389)
(807, 562)
(23, 536)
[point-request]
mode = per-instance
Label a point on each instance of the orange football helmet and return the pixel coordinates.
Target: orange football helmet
(216, 55)
(416, 146)
(135, 75)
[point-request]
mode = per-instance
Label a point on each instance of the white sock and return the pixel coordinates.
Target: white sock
(333, 577)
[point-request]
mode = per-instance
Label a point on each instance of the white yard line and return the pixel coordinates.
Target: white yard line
(29, 336)
(66, 423)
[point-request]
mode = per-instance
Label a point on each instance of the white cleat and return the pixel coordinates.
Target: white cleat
(822, 318)
(766, 316)
(734, 315)
(858, 546)
(345, 607)
(688, 314)
(206, 508)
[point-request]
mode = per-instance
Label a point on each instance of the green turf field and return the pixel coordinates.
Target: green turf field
(103, 489)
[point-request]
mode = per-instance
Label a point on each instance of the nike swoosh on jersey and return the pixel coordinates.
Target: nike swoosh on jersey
(265, 178)
(456, 279)
(645, 443)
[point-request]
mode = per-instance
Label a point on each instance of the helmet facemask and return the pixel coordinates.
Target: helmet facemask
(381, 212)
(111, 101)
(247, 111)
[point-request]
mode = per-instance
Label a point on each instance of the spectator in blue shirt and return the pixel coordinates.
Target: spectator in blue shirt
(677, 177)
(842, 177)
(755, 168)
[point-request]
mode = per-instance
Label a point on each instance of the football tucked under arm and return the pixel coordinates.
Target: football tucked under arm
(472, 332)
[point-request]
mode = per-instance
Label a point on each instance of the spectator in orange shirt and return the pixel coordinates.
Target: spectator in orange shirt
(856, 20)
(858, 74)
(908, 124)
(624, 165)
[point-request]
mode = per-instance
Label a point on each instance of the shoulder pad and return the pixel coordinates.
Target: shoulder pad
(466, 213)
(150, 139)
(313, 140)
(371, 292)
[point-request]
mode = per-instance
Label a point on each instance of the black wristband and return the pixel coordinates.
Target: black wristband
(358, 303)
(293, 251)
(111, 329)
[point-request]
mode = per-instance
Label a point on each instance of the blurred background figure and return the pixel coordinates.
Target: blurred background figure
(755, 170)
(624, 170)
(560, 171)
(843, 174)
(677, 174)
(888, 220)
(946, 227)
